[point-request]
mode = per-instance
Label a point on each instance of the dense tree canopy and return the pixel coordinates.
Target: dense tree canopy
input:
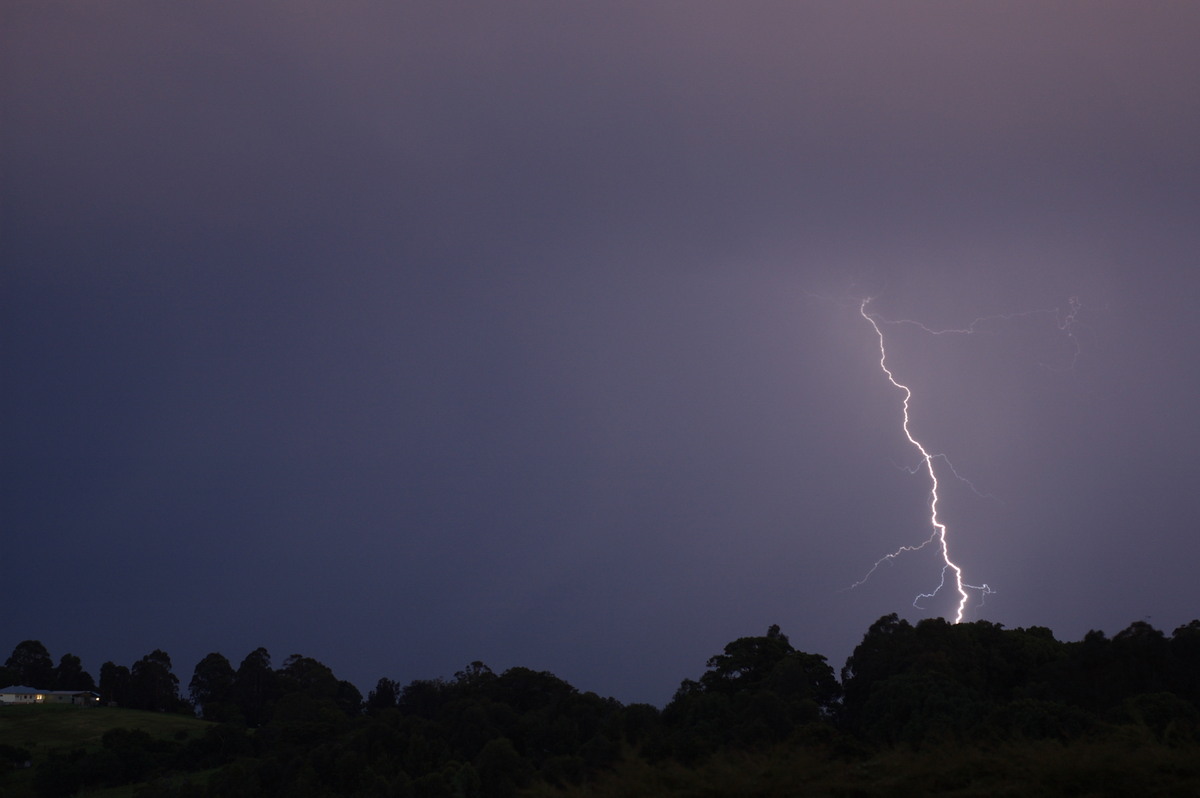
(152, 685)
(114, 684)
(70, 675)
(255, 687)
(298, 730)
(384, 696)
(938, 680)
(759, 690)
(31, 665)
(211, 688)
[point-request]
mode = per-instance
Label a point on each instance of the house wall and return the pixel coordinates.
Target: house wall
(48, 697)
(83, 699)
(21, 698)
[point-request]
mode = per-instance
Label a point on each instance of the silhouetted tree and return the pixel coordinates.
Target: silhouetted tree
(884, 651)
(31, 663)
(383, 697)
(758, 690)
(525, 689)
(70, 675)
(423, 698)
(746, 661)
(1185, 662)
(152, 684)
(307, 675)
(973, 680)
(475, 676)
(255, 687)
(1139, 660)
(114, 684)
(211, 688)
(348, 698)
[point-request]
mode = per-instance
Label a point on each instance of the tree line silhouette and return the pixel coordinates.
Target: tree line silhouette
(297, 730)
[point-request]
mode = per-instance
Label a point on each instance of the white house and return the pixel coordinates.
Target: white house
(20, 694)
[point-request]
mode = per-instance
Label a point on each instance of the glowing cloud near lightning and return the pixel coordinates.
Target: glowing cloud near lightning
(939, 536)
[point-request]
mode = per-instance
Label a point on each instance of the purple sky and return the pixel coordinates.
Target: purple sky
(402, 335)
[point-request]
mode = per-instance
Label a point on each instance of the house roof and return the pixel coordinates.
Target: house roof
(22, 690)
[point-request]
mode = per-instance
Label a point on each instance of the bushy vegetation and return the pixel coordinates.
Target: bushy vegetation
(927, 709)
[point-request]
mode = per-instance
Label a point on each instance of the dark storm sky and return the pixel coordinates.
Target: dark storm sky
(402, 335)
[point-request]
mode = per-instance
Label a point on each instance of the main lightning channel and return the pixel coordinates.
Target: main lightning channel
(939, 534)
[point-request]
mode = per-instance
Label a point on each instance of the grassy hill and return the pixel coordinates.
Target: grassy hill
(42, 729)
(1103, 768)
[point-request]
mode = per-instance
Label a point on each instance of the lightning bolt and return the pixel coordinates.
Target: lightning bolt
(981, 494)
(1064, 320)
(939, 535)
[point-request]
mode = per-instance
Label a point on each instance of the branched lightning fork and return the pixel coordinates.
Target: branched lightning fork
(1065, 320)
(941, 456)
(939, 534)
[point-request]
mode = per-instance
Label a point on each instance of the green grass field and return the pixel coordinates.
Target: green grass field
(43, 728)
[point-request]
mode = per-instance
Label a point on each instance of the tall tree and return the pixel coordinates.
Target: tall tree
(256, 687)
(114, 684)
(32, 664)
(305, 674)
(746, 661)
(475, 676)
(70, 675)
(383, 696)
(1185, 661)
(211, 688)
(152, 683)
(758, 690)
(349, 698)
